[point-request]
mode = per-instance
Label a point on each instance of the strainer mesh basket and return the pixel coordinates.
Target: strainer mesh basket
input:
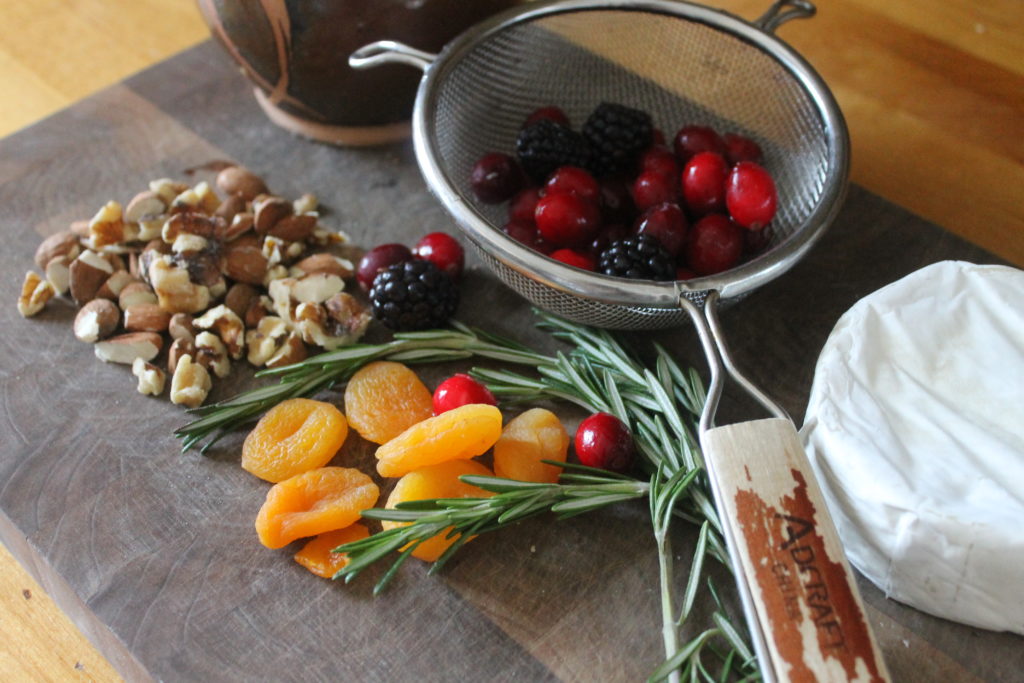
(687, 65)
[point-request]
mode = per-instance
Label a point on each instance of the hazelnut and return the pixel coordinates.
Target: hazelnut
(240, 224)
(96, 320)
(238, 180)
(229, 208)
(59, 244)
(151, 378)
(190, 383)
(35, 292)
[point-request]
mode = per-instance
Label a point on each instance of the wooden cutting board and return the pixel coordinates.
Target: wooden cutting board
(153, 553)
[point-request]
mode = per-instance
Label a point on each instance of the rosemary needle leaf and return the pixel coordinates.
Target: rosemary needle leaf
(732, 635)
(390, 573)
(696, 568)
(500, 485)
(681, 655)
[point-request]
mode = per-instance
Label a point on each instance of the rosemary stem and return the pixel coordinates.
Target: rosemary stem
(669, 630)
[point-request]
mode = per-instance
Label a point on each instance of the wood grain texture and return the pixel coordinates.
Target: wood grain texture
(886, 61)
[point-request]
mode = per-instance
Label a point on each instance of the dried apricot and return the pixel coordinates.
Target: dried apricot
(383, 399)
(313, 502)
(458, 434)
(527, 439)
(294, 436)
(436, 481)
(317, 555)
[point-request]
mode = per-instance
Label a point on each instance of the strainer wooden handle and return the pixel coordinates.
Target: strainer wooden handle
(800, 586)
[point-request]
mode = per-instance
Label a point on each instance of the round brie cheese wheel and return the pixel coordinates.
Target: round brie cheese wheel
(915, 429)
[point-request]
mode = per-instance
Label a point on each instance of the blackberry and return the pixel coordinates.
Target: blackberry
(637, 258)
(617, 136)
(414, 295)
(544, 146)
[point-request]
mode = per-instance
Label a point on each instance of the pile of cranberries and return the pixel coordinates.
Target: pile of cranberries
(704, 197)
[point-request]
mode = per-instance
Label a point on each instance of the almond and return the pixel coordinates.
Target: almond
(324, 263)
(58, 273)
(294, 228)
(241, 181)
(125, 348)
(86, 275)
(267, 211)
(146, 318)
(115, 284)
(240, 297)
(245, 262)
(180, 327)
(135, 293)
(179, 348)
(144, 205)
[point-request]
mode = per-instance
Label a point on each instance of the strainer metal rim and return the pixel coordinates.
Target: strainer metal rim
(604, 288)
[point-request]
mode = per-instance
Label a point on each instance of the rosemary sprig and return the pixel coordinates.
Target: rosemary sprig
(463, 518)
(326, 370)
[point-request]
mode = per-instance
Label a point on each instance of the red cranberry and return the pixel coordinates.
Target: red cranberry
(571, 257)
(692, 140)
(379, 258)
(750, 195)
(715, 244)
(573, 180)
(652, 188)
(756, 241)
(667, 223)
(524, 233)
(616, 201)
(566, 220)
(603, 441)
(684, 273)
(741, 148)
(660, 159)
(522, 206)
(460, 390)
(703, 182)
(444, 251)
(495, 178)
(552, 114)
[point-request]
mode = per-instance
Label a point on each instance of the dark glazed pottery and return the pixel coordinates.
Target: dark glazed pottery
(295, 53)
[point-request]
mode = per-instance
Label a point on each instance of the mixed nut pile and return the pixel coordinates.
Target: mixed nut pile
(211, 280)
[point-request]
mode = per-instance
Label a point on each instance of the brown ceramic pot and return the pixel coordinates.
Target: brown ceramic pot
(296, 55)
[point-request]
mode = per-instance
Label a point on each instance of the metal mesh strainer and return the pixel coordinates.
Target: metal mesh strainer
(680, 62)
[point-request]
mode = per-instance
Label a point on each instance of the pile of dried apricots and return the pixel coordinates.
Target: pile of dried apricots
(425, 440)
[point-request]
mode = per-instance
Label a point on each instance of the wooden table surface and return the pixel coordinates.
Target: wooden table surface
(933, 93)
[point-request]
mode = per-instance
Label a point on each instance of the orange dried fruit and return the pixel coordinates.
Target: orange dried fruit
(383, 399)
(317, 555)
(458, 434)
(294, 436)
(313, 502)
(527, 439)
(436, 481)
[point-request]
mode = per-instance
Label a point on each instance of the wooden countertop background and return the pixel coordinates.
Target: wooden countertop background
(933, 94)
